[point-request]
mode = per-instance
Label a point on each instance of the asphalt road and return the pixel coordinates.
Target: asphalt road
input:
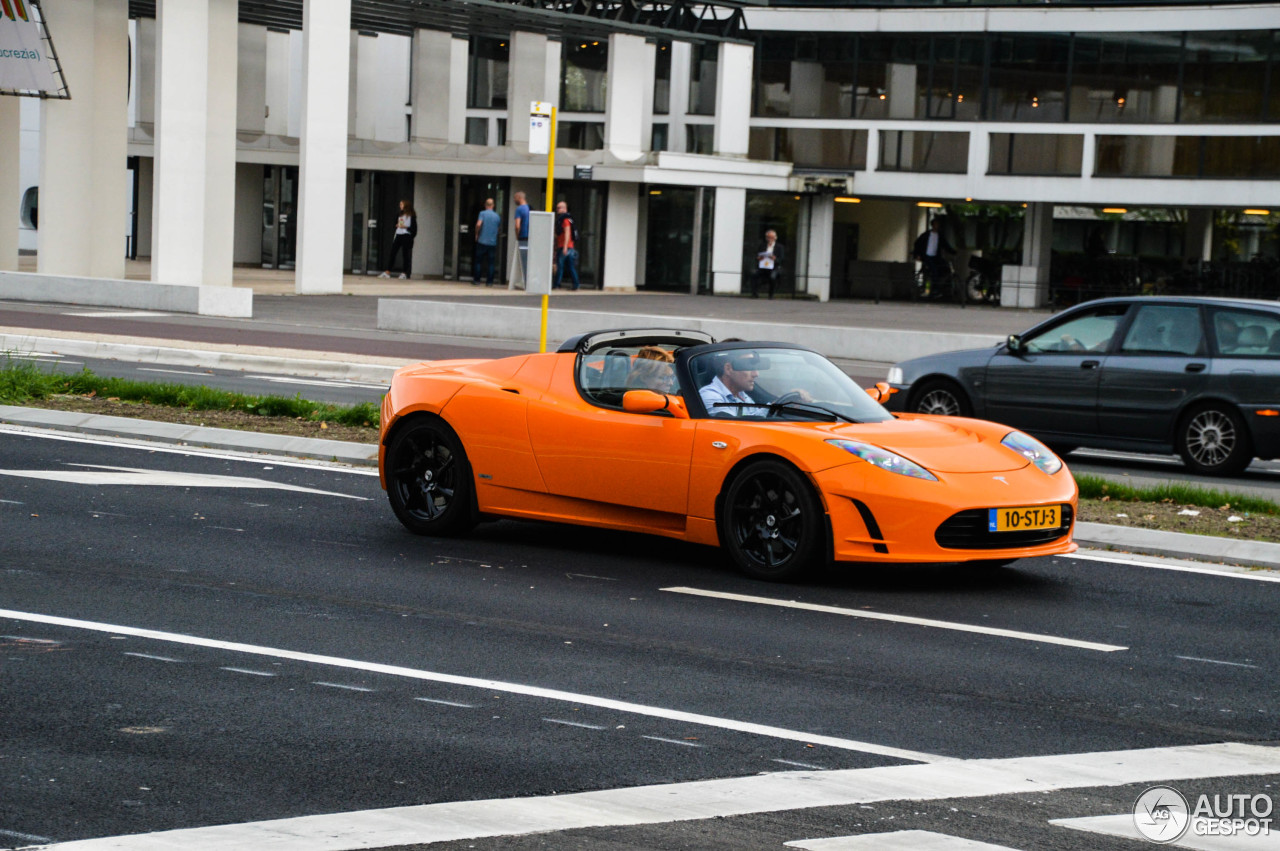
(110, 731)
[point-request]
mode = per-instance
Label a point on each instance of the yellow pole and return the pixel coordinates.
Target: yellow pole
(551, 183)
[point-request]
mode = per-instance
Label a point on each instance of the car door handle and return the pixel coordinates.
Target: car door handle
(1089, 364)
(1195, 367)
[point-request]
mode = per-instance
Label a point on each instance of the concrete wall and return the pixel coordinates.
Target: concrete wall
(884, 229)
(248, 240)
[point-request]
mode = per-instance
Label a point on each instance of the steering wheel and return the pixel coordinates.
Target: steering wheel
(784, 399)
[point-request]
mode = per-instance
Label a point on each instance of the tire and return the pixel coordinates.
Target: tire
(429, 480)
(771, 522)
(1214, 441)
(941, 396)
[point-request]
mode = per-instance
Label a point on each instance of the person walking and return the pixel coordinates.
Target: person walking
(488, 226)
(522, 233)
(931, 249)
(566, 250)
(406, 230)
(769, 260)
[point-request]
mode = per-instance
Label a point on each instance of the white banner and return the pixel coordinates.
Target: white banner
(23, 64)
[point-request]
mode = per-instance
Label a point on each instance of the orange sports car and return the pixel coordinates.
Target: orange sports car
(765, 449)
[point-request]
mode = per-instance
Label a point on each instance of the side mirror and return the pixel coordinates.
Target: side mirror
(1014, 342)
(881, 392)
(647, 402)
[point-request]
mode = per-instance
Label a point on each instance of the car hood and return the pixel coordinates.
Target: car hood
(939, 444)
(947, 363)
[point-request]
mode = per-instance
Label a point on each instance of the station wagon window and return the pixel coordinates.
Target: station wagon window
(1090, 331)
(1163, 329)
(1245, 333)
(606, 374)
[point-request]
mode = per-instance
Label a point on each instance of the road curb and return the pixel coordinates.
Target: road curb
(1099, 535)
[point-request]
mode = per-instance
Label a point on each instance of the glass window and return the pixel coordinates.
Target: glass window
(1036, 154)
(955, 78)
(700, 138)
(1125, 77)
(704, 61)
(29, 212)
(1028, 77)
(658, 140)
(924, 150)
(1164, 330)
(773, 75)
(477, 131)
(1224, 74)
(605, 376)
(1088, 332)
(487, 73)
(585, 76)
(580, 135)
(662, 79)
(1244, 333)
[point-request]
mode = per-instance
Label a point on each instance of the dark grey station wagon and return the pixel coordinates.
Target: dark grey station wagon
(1195, 376)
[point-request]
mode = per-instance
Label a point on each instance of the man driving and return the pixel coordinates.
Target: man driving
(736, 373)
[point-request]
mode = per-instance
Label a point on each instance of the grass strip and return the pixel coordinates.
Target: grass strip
(22, 380)
(1096, 487)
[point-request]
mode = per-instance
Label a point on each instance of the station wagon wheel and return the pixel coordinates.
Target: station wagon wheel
(941, 396)
(429, 480)
(771, 522)
(1213, 440)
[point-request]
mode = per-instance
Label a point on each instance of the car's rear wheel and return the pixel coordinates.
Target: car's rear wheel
(941, 396)
(1213, 440)
(429, 480)
(771, 521)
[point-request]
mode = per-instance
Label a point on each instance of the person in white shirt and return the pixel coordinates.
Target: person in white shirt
(406, 230)
(734, 379)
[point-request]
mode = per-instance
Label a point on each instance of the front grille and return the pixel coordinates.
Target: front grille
(968, 531)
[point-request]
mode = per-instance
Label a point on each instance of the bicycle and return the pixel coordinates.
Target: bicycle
(944, 287)
(983, 282)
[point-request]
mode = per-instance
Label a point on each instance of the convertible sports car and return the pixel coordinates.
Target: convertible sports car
(765, 449)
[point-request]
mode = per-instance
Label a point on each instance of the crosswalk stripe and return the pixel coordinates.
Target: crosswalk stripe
(898, 840)
(1123, 825)
(707, 799)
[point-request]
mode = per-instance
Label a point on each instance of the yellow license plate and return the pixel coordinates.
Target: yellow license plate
(1024, 519)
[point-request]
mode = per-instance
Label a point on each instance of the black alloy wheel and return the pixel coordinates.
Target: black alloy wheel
(1213, 440)
(941, 397)
(772, 522)
(429, 480)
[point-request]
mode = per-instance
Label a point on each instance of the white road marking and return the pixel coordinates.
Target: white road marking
(114, 313)
(808, 765)
(1229, 572)
(489, 685)
(12, 502)
(89, 474)
(446, 702)
(672, 741)
(907, 619)
(898, 840)
(249, 671)
(24, 837)
(195, 451)
(317, 382)
(342, 686)
(153, 657)
(174, 371)
(1215, 662)
(575, 724)
(707, 799)
(1122, 825)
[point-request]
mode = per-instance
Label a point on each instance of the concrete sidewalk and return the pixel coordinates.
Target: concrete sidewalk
(1097, 535)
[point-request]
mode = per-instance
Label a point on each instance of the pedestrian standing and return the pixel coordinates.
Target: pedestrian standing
(769, 260)
(406, 230)
(566, 246)
(488, 225)
(522, 233)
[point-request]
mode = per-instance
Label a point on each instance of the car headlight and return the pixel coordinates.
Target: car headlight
(1033, 450)
(884, 459)
(895, 375)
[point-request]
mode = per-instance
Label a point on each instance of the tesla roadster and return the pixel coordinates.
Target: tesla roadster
(765, 449)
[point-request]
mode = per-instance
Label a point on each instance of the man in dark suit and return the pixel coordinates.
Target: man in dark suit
(769, 261)
(931, 249)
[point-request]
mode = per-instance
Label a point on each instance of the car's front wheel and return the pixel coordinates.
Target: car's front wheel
(771, 521)
(1213, 440)
(429, 480)
(940, 396)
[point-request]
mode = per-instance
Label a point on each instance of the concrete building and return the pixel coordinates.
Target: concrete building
(214, 132)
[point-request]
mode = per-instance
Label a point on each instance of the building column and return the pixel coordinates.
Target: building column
(10, 179)
(678, 107)
(220, 144)
(533, 75)
(621, 238)
(182, 138)
(727, 240)
(733, 98)
(439, 88)
(1028, 285)
(430, 201)
(1199, 238)
(818, 245)
(322, 175)
(629, 97)
(83, 163)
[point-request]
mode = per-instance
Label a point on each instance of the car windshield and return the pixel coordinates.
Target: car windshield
(775, 383)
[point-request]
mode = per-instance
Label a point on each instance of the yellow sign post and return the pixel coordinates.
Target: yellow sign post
(542, 140)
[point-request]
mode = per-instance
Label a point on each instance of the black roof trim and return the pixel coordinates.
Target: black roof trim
(593, 340)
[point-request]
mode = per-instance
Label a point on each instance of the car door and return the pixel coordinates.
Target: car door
(1050, 383)
(1161, 362)
(589, 448)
